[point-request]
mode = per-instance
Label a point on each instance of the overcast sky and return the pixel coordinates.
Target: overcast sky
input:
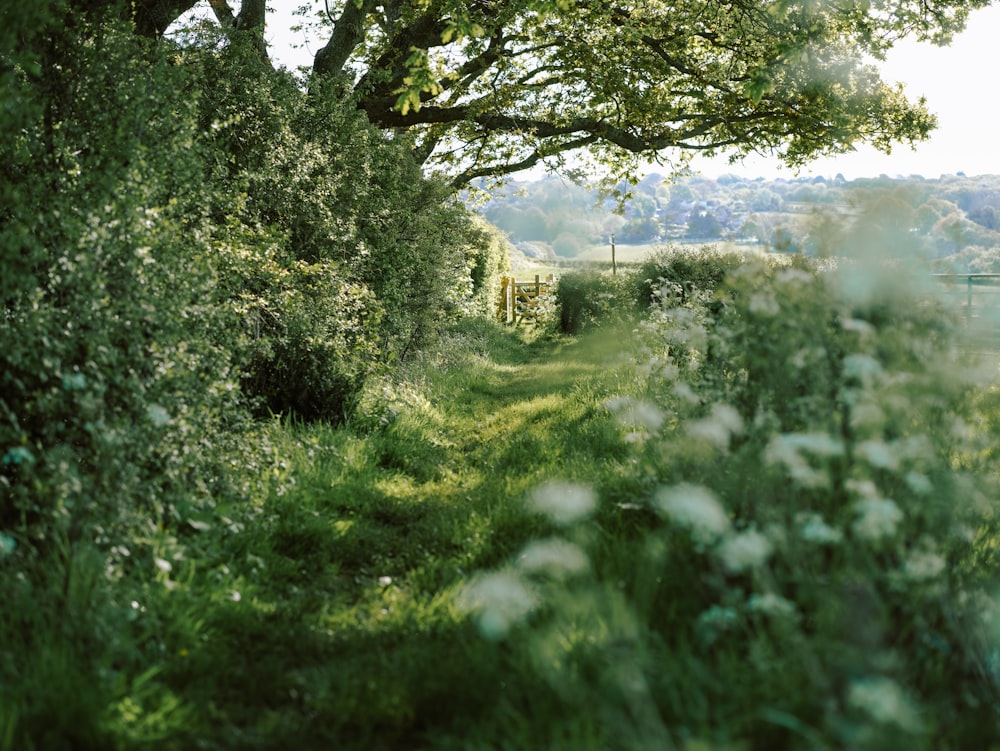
(958, 82)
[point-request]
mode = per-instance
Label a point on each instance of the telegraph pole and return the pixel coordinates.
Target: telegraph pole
(614, 266)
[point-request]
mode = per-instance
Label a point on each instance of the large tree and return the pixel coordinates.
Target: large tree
(490, 87)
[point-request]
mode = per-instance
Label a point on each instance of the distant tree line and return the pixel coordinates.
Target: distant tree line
(953, 216)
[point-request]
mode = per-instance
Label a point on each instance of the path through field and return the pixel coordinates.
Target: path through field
(337, 624)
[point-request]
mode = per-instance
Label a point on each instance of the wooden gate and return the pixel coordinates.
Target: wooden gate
(521, 301)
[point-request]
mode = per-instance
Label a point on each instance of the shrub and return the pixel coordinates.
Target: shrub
(589, 298)
(811, 558)
(676, 273)
(306, 166)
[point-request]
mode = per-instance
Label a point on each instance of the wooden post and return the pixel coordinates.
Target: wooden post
(614, 266)
(511, 300)
(968, 309)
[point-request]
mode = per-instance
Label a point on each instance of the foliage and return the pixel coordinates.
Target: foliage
(677, 273)
(588, 298)
(488, 90)
(803, 553)
(183, 236)
(306, 167)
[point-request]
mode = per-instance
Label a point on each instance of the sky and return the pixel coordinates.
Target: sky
(956, 81)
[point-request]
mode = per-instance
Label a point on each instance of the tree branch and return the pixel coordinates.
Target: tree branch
(223, 13)
(509, 168)
(348, 33)
(153, 17)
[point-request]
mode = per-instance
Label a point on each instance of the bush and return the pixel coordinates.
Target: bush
(590, 298)
(304, 165)
(675, 273)
(812, 555)
(309, 335)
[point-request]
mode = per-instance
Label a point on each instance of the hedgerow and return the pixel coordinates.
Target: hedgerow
(803, 561)
(185, 242)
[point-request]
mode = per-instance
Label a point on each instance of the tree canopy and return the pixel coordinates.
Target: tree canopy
(486, 88)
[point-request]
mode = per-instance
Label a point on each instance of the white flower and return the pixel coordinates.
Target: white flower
(7, 545)
(764, 304)
(499, 600)
(630, 412)
(744, 550)
(696, 508)
(919, 483)
(770, 604)
(858, 326)
(867, 416)
(158, 415)
(716, 620)
(922, 565)
(718, 427)
(563, 502)
(876, 518)
(791, 451)
(862, 367)
(793, 277)
(555, 557)
(863, 488)
(884, 701)
(877, 454)
(812, 528)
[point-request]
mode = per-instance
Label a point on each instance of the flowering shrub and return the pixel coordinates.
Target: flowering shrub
(804, 568)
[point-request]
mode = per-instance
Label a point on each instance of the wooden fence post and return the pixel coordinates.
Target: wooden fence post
(968, 309)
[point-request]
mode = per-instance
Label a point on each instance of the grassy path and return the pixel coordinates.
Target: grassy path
(324, 615)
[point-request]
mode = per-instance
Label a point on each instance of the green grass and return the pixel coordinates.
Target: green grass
(322, 613)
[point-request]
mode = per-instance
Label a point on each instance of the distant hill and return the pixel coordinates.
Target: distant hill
(953, 219)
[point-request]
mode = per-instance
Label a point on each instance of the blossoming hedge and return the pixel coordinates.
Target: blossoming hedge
(804, 563)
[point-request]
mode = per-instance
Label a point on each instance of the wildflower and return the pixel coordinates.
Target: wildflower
(630, 412)
(863, 488)
(793, 277)
(716, 620)
(499, 600)
(555, 557)
(863, 368)
(764, 304)
(7, 545)
(857, 326)
(876, 518)
(744, 550)
(563, 502)
(158, 415)
(867, 416)
(877, 454)
(771, 604)
(791, 450)
(696, 508)
(919, 483)
(718, 617)
(922, 565)
(813, 528)
(718, 427)
(884, 702)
